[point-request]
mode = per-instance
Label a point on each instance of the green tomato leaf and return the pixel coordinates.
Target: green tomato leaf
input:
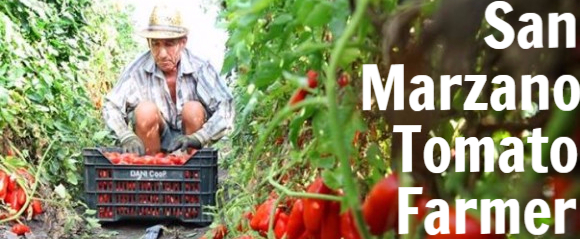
(332, 179)
(320, 15)
(348, 56)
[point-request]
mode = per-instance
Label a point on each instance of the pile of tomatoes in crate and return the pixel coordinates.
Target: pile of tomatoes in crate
(16, 200)
(158, 159)
(135, 198)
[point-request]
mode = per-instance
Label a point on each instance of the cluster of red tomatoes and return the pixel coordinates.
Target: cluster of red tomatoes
(15, 197)
(158, 159)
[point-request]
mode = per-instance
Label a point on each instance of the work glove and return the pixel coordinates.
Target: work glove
(185, 142)
(132, 144)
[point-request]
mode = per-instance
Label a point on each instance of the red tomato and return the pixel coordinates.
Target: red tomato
(148, 160)
(312, 78)
(20, 229)
(163, 161)
(37, 207)
(281, 225)
(12, 184)
(138, 161)
(314, 209)
(12, 201)
(261, 219)
(126, 159)
(21, 196)
(115, 160)
(343, 80)
(331, 227)
(348, 228)
(380, 209)
(298, 96)
(295, 225)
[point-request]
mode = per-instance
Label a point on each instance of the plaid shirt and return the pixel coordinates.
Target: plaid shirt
(196, 80)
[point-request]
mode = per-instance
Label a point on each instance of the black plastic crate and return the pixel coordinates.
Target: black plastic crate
(151, 192)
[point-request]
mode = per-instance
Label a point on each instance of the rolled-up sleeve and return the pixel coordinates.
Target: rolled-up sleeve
(212, 90)
(117, 103)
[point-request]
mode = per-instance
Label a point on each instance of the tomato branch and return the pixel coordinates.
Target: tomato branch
(350, 186)
(273, 216)
(282, 115)
(291, 193)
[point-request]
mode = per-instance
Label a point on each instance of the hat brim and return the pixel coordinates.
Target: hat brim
(158, 34)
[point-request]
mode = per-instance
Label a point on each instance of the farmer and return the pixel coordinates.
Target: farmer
(171, 99)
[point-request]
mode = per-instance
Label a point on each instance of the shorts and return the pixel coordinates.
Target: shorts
(167, 136)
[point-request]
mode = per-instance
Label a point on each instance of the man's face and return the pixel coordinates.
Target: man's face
(167, 52)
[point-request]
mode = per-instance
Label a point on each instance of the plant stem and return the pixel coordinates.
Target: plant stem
(350, 186)
(273, 216)
(291, 193)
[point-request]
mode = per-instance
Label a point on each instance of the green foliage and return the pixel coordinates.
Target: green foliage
(57, 58)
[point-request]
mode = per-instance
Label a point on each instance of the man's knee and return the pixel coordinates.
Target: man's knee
(193, 111)
(193, 115)
(147, 116)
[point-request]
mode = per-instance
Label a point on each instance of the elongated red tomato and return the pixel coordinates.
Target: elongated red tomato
(312, 78)
(20, 229)
(12, 201)
(261, 219)
(348, 228)
(298, 96)
(36, 207)
(296, 221)
(331, 225)
(380, 209)
(314, 209)
(281, 225)
(21, 196)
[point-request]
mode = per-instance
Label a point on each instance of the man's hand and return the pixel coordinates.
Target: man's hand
(185, 142)
(132, 144)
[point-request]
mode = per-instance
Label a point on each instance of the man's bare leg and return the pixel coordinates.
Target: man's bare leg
(148, 126)
(193, 116)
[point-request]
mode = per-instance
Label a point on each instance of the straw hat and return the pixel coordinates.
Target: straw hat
(164, 23)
